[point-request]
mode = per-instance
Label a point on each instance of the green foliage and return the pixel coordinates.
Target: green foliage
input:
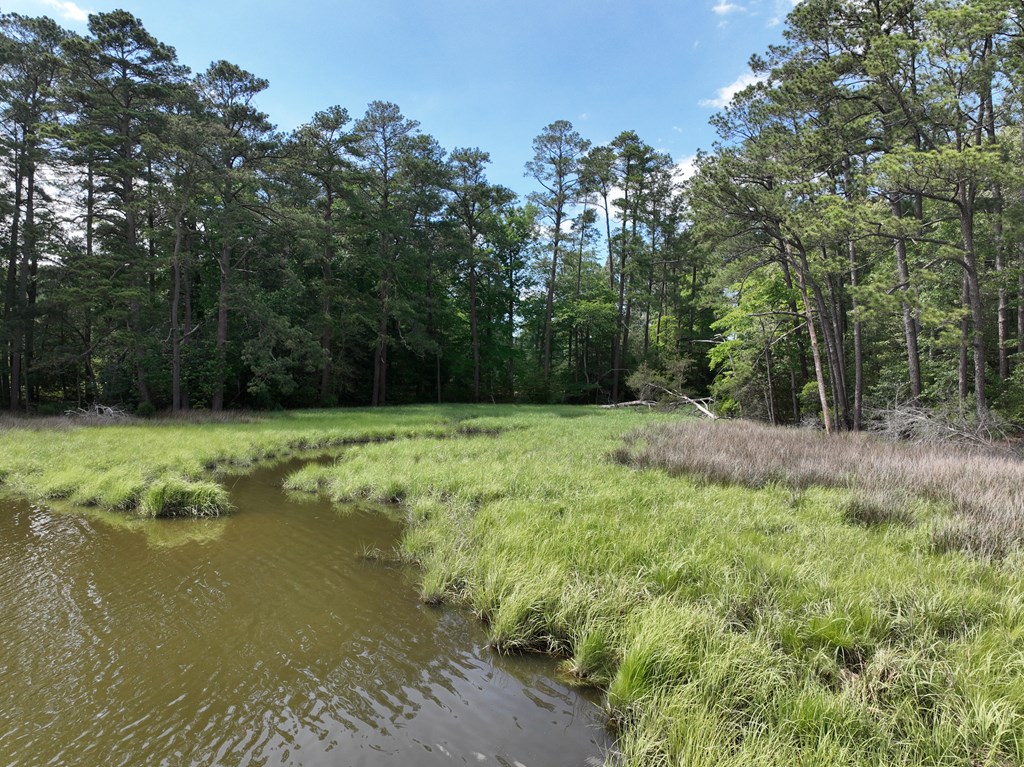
(895, 234)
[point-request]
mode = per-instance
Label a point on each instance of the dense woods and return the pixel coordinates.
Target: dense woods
(166, 248)
(854, 241)
(864, 210)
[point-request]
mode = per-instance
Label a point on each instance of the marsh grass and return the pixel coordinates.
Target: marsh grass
(875, 508)
(124, 464)
(983, 489)
(174, 497)
(782, 624)
(795, 622)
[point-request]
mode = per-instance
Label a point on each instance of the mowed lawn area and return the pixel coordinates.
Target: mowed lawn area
(760, 616)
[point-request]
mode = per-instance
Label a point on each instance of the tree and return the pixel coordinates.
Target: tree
(240, 143)
(383, 135)
(325, 151)
(473, 200)
(123, 82)
(31, 65)
(557, 154)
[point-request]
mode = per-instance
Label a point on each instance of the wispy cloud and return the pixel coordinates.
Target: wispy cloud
(726, 92)
(68, 10)
(724, 8)
(782, 7)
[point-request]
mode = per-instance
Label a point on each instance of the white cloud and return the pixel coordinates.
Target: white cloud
(726, 92)
(724, 8)
(685, 168)
(68, 10)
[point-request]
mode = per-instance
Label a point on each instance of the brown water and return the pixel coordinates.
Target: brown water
(264, 638)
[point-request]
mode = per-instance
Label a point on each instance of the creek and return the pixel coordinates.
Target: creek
(263, 638)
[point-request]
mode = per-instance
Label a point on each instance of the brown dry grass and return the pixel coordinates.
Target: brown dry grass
(984, 490)
(16, 422)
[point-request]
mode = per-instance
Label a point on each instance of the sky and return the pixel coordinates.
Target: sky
(476, 73)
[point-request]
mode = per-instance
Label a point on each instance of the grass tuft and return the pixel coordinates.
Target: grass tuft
(174, 497)
(873, 509)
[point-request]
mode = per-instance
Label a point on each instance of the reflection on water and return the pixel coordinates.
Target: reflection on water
(258, 639)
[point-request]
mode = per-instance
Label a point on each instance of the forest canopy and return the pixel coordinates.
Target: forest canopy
(854, 240)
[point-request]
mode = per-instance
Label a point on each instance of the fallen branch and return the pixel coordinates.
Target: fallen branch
(99, 412)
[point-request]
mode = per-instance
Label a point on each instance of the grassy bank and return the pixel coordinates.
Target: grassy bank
(778, 623)
(730, 625)
(162, 468)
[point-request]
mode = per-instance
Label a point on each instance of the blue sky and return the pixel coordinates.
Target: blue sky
(476, 72)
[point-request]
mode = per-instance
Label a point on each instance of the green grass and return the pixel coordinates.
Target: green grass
(777, 625)
(783, 624)
(124, 465)
(173, 497)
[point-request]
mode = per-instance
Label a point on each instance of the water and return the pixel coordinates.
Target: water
(264, 638)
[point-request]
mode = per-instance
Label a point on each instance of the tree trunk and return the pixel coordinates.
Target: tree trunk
(327, 271)
(1020, 278)
(832, 351)
(131, 232)
(549, 307)
(963, 383)
(909, 323)
(175, 317)
(1003, 308)
(800, 347)
(380, 358)
(858, 346)
(11, 293)
(966, 204)
(618, 339)
(819, 372)
(19, 367)
(186, 341)
(217, 403)
(474, 329)
(608, 238)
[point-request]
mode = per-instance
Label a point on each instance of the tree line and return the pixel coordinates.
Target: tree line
(165, 247)
(864, 208)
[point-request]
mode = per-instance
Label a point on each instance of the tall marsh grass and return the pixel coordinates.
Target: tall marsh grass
(151, 467)
(784, 624)
(985, 490)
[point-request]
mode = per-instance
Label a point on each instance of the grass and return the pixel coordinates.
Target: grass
(800, 621)
(983, 488)
(163, 467)
(173, 497)
(782, 624)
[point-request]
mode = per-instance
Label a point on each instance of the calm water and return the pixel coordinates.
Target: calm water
(260, 639)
